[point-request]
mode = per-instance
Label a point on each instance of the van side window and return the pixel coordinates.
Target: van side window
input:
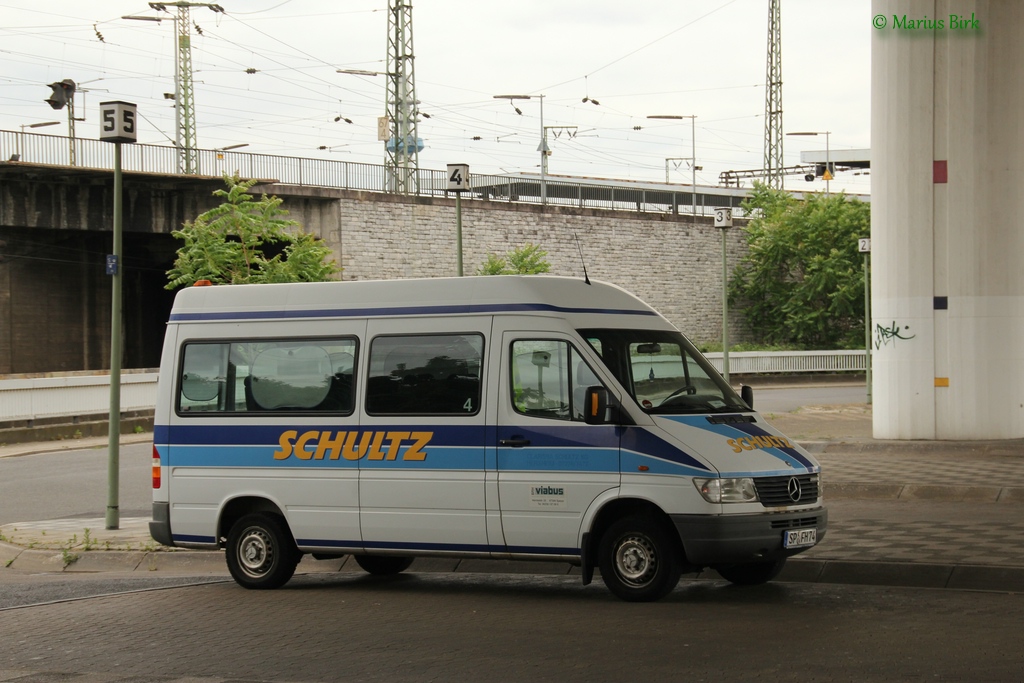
(314, 375)
(428, 374)
(549, 379)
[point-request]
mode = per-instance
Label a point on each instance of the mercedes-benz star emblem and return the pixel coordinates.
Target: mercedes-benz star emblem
(793, 489)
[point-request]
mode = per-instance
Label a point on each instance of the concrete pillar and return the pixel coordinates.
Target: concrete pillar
(947, 117)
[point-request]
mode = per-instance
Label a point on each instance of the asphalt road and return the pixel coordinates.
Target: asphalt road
(475, 627)
(788, 399)
(74, 484)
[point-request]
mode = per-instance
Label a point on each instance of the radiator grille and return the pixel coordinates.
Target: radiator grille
(798, 489)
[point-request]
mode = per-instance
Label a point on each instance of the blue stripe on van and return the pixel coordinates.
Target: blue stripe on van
(584, 459)
(739, 429)
(436, 547)
(641, 441)
(190, 538)
(562, 434)
(633, 461)
(438, 458)
(397, 310)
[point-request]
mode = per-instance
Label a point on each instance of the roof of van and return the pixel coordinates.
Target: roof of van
(428, 296)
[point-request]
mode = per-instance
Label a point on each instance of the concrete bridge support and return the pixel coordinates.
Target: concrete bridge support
(948, 285)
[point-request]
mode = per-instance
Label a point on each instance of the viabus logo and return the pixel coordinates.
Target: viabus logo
(547, 491)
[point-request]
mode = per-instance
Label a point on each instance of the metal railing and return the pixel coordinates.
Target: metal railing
(786, 362)
(55, 150)
(73, 395)
(79, 394)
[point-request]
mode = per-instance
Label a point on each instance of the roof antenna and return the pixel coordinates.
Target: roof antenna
(586, 278)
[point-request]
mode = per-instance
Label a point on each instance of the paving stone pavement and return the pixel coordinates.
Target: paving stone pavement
(904, 513)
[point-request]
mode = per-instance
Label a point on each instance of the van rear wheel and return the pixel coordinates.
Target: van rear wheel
(383, 565)
(751, 573)
(261, 552)
(639, 560)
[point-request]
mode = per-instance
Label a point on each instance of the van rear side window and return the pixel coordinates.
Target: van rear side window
(429, 374)
(313, 375)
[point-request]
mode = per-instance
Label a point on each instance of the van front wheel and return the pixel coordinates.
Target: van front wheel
(638, 559)
(260, 551)
(383, 565)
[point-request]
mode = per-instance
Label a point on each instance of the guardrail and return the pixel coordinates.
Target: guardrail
(79, 394)
(55, 150)
(73, 395)
(786, 362)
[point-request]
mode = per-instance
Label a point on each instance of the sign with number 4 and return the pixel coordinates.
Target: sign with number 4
(458, 177)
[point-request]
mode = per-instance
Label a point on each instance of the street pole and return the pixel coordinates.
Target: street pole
(543, 148)
(458, 229)
(828, 153)
(114, 431)
(723, 221)
(117, 125)
(693, 153)
(693, 162)
(725, 308)
(458, 182)
(543, 156)
(21, 140)
(828, 164)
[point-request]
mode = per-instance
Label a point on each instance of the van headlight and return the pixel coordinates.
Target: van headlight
(727, 490)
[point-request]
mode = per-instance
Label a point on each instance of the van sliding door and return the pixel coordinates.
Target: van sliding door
(422, 450)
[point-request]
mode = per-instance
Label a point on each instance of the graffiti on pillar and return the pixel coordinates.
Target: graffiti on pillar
(890, 335)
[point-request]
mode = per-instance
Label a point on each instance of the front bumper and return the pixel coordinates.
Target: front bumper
(727, 539)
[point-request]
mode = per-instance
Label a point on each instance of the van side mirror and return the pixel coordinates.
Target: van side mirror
(596, 410)
(747, 394)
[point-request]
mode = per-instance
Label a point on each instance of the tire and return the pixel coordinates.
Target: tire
(640, 560)
(261, 553)
(383, 565)
(751, 573)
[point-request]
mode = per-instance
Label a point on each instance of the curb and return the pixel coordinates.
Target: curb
(922, 493)
(797, 570)
(1004, 447)
(71, 444)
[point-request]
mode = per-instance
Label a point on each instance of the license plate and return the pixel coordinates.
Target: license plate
(799, 538)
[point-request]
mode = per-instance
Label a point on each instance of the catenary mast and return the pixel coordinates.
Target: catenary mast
(773, 162)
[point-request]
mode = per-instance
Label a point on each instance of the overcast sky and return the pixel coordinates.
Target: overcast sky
(647, 57)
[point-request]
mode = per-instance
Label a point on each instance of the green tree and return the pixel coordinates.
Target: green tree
(802, 280)
(526, 260)
(229, 244)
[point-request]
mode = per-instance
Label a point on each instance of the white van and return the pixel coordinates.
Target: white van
(510, 417)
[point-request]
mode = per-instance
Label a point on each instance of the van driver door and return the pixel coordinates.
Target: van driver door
(551, 464)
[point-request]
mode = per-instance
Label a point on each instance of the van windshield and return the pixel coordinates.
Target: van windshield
(664, 372)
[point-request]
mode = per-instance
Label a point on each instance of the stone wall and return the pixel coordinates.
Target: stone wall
(667, 260)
